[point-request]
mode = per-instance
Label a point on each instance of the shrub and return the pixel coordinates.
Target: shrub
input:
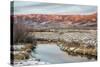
(20, 31)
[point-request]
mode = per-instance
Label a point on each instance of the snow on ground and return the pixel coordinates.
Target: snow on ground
(86, 37)
(31, 61)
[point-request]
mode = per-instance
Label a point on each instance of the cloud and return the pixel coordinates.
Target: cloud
(23, 7)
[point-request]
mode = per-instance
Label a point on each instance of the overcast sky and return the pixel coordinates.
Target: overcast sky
(28, 7)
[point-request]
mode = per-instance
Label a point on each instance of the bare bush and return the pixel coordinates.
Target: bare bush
(20, 31)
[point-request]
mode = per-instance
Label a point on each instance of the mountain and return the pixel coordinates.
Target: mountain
(57, 21)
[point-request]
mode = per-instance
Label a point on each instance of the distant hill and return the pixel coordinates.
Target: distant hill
(57, 21)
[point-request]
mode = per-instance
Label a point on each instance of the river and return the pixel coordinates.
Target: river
(53, 54)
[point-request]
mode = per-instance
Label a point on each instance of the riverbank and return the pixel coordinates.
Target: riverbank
(22, 55)
(78, 48)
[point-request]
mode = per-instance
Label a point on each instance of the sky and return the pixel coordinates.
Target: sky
(30, 7)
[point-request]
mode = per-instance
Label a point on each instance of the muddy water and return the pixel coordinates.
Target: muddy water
(51, 53)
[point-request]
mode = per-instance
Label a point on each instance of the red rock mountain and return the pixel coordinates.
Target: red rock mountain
(57, 21)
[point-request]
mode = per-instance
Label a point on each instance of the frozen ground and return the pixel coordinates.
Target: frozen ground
(88, 37)
(28, 62)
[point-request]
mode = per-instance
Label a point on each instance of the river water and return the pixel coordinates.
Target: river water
(52, 54)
